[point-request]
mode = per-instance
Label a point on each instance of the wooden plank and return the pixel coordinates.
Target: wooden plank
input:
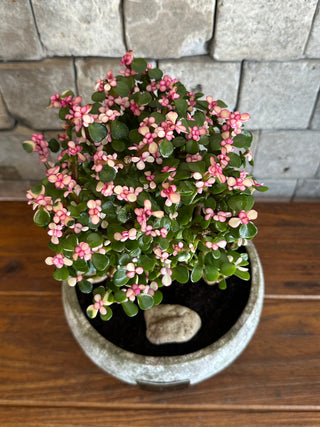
(23, 248)
(40, 361)
(84, 417)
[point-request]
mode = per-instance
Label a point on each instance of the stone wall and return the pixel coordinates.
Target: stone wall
(262, 57)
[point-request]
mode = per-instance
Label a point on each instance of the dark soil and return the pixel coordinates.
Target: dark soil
(218, 309)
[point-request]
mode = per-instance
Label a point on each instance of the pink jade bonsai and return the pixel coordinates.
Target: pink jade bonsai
(148, 188)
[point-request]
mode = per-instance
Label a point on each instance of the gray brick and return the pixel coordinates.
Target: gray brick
(6, 122)
(279, 95)
(262, 30)
(313, 48)
(308, 189)
(287, 154)
(280, 190)
(168, 28)
(15, 163)
(80, 28)
(18, 35)
(202, 74)
(315, 124)
(27, 87)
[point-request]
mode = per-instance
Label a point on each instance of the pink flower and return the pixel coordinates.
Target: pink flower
(82, 251)
(58, 260)
(125, 235)
(99, 304)
(243, 218)
(216, 245)
(55, 232)
(169, 191)
(193, 158)
(132, 270)
(127, 58)
(128, 194)
(216, 170)
(105, 189)
(94, 210)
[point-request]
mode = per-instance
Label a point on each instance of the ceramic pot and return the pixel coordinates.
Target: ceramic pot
(169, 371)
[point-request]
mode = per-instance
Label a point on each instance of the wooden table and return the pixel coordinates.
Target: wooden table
(46, 380)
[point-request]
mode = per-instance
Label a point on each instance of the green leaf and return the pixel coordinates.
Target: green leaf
(147, 262)
(118, 145)
(107, 316)
(122, 88)
(157, 297)
(228, 269)
(107, 174)
(119, 129)
(166, 148)
(85, 286)
(100, 261)
(120, 277)
(28, 146)
(139, 65)
(192, 147)
(244, 275)
(222, 284)
(211, 273)
(221, 104)
(248, 231)
(61, 273)
(130, 308)
(155, 73)
(235, 160)
(91, 312)
(181, 106)
(215, 142)
(180, 273)
(54, 145)
(196, 273)
(197, 167)
(179, 141)
(63, 112)
(97, 131)
(81, 265)
(41, 217)
(145, 301)
(240, 202)
(98, 96)
(185, 214)
(144, 98)
(243, 140)
(94, 239)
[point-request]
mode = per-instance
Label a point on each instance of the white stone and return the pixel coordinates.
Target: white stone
(262, 30)
(287, 154)
(279, 95)
(313, 47)
(202, 74)
(168, 28)
(28, 86)
(171, 323)
(18, 34)
(80, 28)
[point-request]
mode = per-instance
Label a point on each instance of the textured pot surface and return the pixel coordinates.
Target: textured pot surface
(169, 370)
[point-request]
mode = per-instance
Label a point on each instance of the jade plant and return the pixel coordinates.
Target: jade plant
(148, 187)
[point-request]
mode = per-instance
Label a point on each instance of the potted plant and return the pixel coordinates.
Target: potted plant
(148, 191)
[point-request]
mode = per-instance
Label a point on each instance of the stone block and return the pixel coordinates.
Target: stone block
(315, 123)
(18, 35)
(6, 122)
(279, 95)
(202, 74)
(168, 28)
(90, 70)
(313, 47)
(291, 154)
(15, 163)
(27, 87)
(307, 190)
(80, 28)
(280, 190)
(262, 30)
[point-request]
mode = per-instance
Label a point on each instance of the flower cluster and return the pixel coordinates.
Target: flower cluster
(148, 188)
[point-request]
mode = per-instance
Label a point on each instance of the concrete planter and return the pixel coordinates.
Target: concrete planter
(169, 371)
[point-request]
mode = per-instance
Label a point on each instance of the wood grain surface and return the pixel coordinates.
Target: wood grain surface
(46, 380)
